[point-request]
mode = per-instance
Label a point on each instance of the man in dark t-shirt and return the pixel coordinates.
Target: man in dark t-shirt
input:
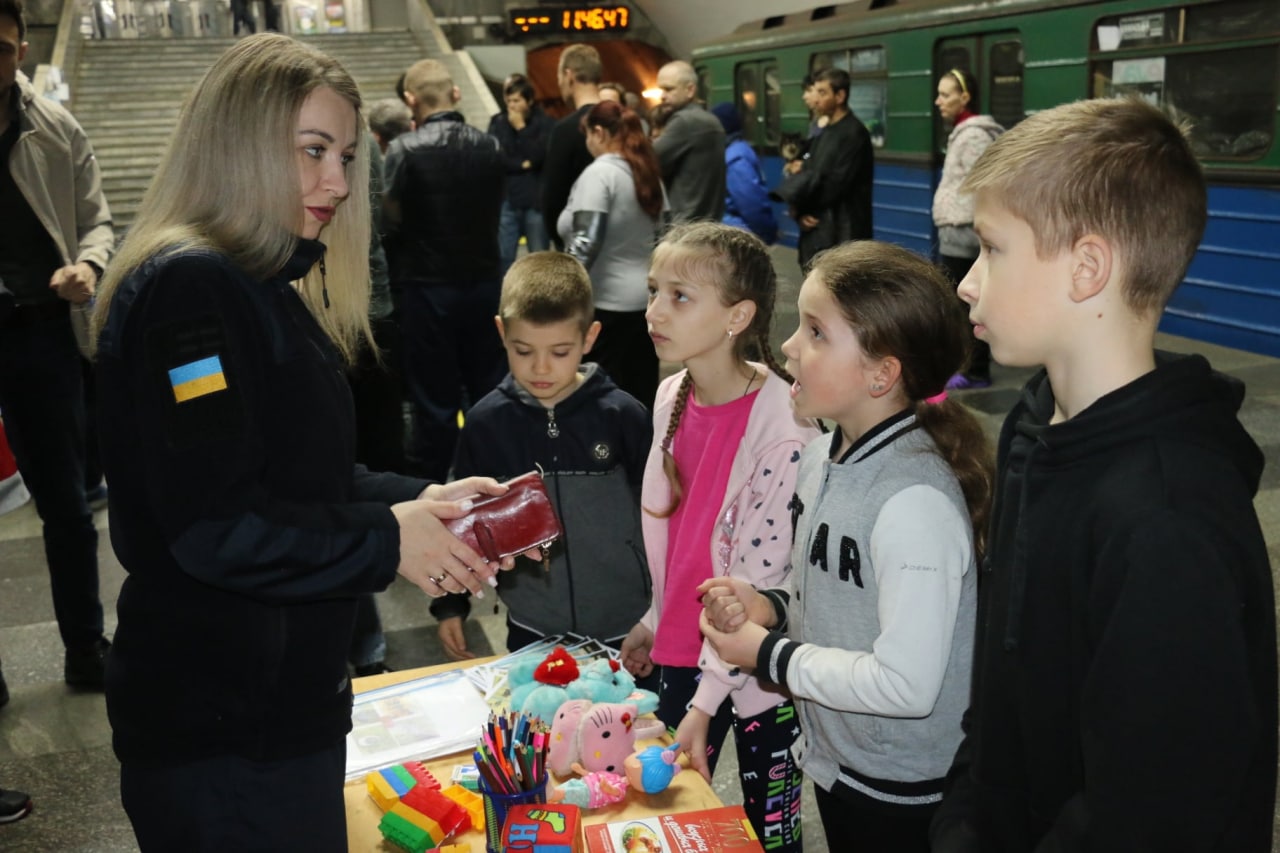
(579, 77)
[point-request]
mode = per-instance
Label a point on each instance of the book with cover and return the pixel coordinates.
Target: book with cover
(702, 831)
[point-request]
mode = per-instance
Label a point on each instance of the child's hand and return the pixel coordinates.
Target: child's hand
(728, 602)
(739, 648)
(635, 651)
(453, 639)
(692, 734)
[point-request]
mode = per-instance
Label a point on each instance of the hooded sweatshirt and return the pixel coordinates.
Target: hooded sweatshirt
(1124, 685)
(591, 448)
(952, 209)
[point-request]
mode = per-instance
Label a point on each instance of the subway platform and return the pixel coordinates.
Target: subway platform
(56, 744)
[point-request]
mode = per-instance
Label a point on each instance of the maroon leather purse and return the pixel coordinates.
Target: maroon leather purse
(505, 525)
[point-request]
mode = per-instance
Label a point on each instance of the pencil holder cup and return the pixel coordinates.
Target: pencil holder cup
(496, 806)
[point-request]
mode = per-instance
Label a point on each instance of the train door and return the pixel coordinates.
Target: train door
(995, 61)
(757, 90)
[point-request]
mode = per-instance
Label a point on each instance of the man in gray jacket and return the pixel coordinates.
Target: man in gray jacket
(691, 148)
(55, 240)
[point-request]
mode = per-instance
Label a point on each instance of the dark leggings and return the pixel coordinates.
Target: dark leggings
(856, 822)
(771, 781)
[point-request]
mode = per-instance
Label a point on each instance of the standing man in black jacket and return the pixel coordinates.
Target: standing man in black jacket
(444, 197)
(829, 192)
(579, 76)
(522, 129)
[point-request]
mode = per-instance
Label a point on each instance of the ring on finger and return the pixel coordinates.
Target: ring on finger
(440, 580)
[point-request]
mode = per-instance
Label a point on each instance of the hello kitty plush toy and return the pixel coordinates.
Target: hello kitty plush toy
(599, 736)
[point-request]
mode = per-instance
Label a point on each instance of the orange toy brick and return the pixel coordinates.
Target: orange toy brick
(470, 801)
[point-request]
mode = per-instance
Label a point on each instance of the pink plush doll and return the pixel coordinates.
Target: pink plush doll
(592, 791)
(599, 736)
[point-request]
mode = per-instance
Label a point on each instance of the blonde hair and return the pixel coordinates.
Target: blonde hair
(901, 305)
(547, 287)
(583, 61)
(737, 262)
(1093, 167)
(228, 181)
(429, 81)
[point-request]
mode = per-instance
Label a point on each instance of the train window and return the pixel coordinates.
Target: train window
(758, 92)
(1238, 19)
(772, 106)
(1004, 82)
(704, 84)
(746, 89)
(1228, 96)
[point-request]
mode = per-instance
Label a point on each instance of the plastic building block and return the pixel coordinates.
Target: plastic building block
(380, 790)
(435, 805)
(405, 777)
(461, 847)
(470, 801)
(418, 819)
(405, 834)
(421, 774)
(399, 783)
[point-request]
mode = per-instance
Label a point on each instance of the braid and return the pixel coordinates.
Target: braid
(668, 458)
(766, 354)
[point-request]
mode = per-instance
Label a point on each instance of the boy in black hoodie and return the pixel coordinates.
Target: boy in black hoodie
(1124, 683)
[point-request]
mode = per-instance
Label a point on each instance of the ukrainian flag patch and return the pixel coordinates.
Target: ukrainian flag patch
(197, 379)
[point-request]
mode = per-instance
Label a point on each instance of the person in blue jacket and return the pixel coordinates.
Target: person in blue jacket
(746, 203)
(228, 433)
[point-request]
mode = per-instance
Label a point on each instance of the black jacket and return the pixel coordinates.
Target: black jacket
(245, 534)
(834, 187)
(1124, 685)
(524, 186)
(444, 187)
(567, 156)
(592, 448)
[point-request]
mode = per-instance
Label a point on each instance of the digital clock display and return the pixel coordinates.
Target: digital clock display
(571, 19)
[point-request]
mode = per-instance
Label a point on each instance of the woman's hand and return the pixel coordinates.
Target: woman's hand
(635, 651)
(692, 736)
(740, 648)
(433, 558)
(467, 490)
(732, 602)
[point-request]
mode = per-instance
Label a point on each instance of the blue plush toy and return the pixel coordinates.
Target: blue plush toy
(540, 686)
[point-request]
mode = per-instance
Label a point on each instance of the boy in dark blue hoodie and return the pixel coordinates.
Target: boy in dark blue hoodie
(590, 439)
(1124, 683)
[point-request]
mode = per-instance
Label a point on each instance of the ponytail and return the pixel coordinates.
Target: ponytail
(669, 466)
(963, 445)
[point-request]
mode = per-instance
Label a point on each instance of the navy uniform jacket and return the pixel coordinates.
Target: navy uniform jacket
(228, 436)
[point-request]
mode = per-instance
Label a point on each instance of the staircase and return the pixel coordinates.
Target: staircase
(127, 94)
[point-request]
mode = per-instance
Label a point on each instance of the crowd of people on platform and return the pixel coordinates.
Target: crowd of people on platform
(1070, 649)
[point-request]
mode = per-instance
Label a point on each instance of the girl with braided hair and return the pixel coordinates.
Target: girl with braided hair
(715, 494)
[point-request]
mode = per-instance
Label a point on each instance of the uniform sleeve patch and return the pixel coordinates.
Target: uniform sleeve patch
(197, 379)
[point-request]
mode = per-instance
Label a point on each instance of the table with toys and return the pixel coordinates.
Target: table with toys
(388, 800)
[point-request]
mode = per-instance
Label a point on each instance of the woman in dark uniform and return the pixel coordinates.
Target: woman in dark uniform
(228, 436)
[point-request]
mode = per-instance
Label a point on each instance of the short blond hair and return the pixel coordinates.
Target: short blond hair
(547, 287)
(429, 81)
(583, 61)
(1116, 167)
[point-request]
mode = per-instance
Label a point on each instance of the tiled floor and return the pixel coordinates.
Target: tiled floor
(56, 744)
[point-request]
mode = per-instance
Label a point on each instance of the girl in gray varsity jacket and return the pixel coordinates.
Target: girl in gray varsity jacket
(873, 633)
